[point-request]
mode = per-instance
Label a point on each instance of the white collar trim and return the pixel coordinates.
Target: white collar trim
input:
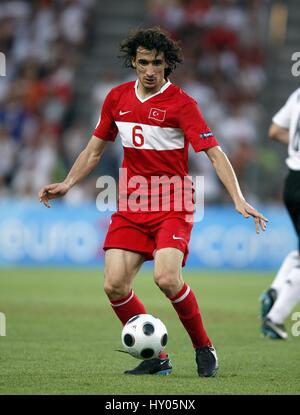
(162, 89)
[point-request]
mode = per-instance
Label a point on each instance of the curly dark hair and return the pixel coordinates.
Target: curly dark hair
(153, 38)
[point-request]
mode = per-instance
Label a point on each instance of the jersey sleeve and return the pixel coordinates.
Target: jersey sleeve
(106, 128)
(195, 128)
(283, 116)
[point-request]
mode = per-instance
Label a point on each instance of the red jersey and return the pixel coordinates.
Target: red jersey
(155, 133)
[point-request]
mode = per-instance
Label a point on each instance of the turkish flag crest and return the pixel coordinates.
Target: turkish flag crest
(156, 114)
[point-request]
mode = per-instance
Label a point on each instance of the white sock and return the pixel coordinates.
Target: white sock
(290, 261)
(288, 297)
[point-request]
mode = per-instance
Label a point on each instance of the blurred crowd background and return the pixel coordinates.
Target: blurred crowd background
(46, 119)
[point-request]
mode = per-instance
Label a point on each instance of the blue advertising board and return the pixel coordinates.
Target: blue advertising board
(31, 235)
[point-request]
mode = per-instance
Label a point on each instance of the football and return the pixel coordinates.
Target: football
(144, 336)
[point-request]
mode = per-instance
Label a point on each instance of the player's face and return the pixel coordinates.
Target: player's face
(150, 68)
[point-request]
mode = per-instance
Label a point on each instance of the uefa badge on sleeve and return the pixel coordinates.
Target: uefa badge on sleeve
(157, 114)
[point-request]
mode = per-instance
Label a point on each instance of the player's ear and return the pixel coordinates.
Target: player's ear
(133, 62)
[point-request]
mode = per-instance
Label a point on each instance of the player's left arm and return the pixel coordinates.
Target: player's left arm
(228, 177)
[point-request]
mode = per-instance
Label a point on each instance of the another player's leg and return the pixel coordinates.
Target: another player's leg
(289, 296)
(288, 286)
(268, 298)
(167, 275)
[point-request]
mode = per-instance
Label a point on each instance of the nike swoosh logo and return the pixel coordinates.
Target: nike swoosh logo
(124, 112)
(177, 237)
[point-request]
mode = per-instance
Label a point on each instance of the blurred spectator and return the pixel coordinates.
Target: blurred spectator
(72, 21)
(8, 150)
(35, 165)
(100, 90)
(74, 141)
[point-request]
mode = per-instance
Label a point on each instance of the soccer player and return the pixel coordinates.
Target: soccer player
(156, 121)
(280, 299)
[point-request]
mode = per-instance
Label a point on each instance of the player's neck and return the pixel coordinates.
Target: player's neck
(148, 92)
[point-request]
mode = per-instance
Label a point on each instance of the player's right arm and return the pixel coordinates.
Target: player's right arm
(279, 133)
(83, 165)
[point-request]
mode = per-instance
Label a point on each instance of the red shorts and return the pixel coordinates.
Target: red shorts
(146, 233)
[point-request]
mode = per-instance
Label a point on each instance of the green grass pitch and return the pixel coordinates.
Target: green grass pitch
(61, 337)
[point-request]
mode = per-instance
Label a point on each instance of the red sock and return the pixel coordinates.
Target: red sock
(127, 307)
(187, 308)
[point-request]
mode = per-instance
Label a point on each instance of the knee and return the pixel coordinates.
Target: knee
(114, 286)
(169, 282)
(115, 290)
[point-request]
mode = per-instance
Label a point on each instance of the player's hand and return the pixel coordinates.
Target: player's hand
(52, 191)
(245, 209)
